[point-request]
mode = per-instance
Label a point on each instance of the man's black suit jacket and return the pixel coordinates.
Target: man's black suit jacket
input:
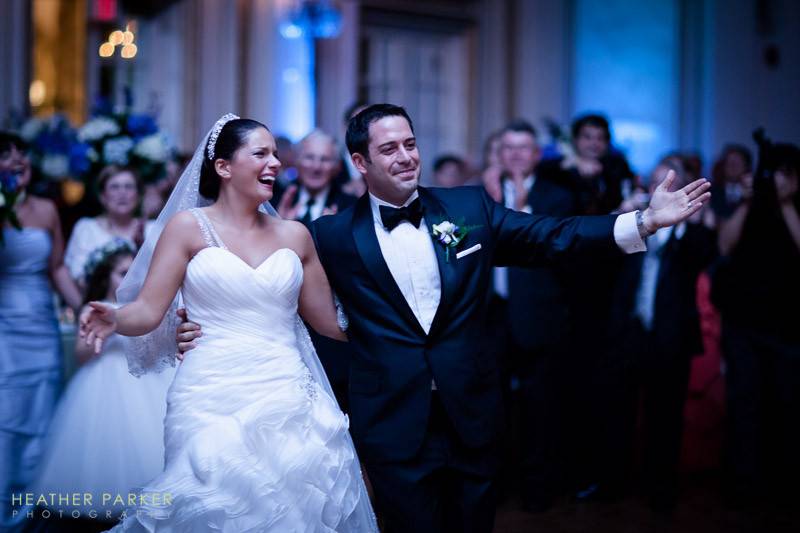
(538, 310)
(394, 361)
(676, 320)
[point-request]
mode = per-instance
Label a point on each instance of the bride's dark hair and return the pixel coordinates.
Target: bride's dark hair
(231, 137)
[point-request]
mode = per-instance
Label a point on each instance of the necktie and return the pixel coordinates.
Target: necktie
(392, 216)
(307, 219)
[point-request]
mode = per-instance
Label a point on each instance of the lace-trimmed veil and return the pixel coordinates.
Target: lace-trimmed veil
(156, 350)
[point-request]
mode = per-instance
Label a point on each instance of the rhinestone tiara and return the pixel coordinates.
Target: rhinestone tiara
(218, 125)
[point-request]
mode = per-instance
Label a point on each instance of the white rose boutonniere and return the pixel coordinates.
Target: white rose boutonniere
(450, 235)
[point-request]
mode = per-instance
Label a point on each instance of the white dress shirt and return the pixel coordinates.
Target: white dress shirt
(651, 266)
(316, 208)
(510, 200)
(510, 192)
(411, 258)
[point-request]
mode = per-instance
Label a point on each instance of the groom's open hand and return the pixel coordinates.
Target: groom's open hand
(668, 208)
(186, 334)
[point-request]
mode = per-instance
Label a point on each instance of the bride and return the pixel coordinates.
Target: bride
(254, 440)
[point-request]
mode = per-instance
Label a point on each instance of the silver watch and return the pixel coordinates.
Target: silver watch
(643, 233)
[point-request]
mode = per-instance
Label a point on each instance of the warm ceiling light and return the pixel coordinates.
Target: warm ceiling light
(129, 51)
(127, 37)
(115, 38)
(106, 50)
(37, 93)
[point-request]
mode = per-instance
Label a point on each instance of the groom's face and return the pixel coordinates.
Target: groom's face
(392, 168)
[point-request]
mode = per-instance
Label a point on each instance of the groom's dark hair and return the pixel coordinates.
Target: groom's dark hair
(231, 137)
(357, 137)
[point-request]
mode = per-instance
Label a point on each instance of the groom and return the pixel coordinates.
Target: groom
(425, 404)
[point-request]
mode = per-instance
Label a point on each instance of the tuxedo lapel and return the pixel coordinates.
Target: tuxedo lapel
(434, 214)
(370, 252)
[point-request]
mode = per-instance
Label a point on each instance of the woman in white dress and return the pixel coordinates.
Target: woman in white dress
(107, 433)
(119, 191)
(254, 439)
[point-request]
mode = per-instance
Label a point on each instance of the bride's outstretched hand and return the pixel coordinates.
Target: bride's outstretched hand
(97, 321)
(668, 208)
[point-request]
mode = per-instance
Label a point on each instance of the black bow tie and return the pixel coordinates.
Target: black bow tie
(392, 216)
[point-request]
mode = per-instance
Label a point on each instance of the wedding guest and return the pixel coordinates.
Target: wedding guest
(655, 333)
(600, 175)
(119, 193)
(107, 434)
(693, 163)
(315, 193)
(732, 179)
(601, 179)
(288, 160)
(757, 290)
(31, 266)
(536, 318)
(449, 171)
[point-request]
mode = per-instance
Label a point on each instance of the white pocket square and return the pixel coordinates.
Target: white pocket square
(465, 253)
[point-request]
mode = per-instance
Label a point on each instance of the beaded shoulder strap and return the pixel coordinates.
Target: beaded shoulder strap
(209, 233)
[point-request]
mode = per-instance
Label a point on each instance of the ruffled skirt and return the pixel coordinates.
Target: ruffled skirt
(260, 450)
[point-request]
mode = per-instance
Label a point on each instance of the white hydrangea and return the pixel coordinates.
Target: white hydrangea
(55, 165)
(116, 150)
(31, 128)
(153, 147)
(97, 128)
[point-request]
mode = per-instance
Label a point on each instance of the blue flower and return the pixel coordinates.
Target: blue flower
(79, 162)
(102, 106)
(53, 142)
(141, 125)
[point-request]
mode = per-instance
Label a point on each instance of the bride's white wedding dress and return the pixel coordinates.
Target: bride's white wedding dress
(253, 442)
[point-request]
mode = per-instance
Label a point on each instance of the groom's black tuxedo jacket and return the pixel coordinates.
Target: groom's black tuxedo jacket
(394, 361)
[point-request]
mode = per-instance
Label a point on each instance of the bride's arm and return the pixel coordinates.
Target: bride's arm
(316, 298)
(164, 277)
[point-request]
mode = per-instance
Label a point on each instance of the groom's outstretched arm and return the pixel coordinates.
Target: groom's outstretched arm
(525, 240)
(529, 240)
